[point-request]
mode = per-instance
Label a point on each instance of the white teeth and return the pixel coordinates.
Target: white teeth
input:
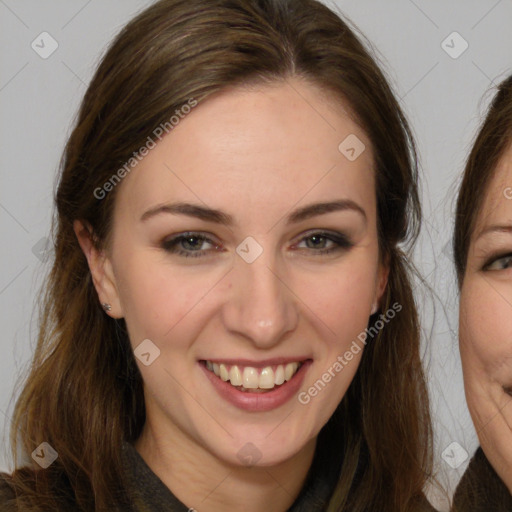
(290, 370)
(224, 374)
(253, 378)
(279, 375)
(266, 378)
(235, 376)
(250, 378)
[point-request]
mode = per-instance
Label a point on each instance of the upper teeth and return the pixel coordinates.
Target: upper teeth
(252, 378)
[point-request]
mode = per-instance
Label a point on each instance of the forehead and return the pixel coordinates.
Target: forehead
(497, 204)
(261, 145)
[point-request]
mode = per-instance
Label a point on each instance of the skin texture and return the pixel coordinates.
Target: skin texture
(257, 154)
(486, 323)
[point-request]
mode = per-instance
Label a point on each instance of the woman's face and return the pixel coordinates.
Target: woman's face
(486, 322)
(245, 245)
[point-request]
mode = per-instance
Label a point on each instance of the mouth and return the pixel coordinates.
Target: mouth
(253, 379)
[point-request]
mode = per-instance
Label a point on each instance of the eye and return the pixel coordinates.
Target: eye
(190, 244)
(499, 263)
(323, 242)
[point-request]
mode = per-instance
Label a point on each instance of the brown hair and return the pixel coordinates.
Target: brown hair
(493, 138)
(84, 392)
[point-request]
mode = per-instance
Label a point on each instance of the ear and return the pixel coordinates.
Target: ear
(381, 283)
(101, 269)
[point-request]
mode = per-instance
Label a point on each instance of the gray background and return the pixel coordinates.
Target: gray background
(444, 98)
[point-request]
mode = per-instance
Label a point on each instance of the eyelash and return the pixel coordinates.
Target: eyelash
(495, 259)
(341, 242)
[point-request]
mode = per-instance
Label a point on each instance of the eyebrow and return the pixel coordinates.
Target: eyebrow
(219, 217)
(495, 228)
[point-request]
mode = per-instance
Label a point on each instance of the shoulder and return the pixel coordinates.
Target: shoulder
(481, 489)
(7, 494)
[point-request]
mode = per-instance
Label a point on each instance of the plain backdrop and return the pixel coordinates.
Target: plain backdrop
(443, 60)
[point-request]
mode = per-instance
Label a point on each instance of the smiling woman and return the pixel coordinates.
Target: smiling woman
(483, 258)
(252, 257)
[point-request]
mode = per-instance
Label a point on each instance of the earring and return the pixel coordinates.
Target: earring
(106, 307)
(375, 308)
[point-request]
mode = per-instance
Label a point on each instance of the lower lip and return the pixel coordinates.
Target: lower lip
(258, 402)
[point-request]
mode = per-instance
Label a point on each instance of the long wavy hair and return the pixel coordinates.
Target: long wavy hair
(84, 393)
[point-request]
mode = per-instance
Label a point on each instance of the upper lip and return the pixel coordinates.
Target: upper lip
(258, 364)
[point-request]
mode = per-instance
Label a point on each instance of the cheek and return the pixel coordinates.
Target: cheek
(342, 296)
(156, 297)
(486, 329)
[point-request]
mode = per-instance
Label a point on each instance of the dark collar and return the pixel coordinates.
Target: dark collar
(148, 493)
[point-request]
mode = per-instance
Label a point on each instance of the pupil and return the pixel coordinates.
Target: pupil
(316, 240)
(192, 242)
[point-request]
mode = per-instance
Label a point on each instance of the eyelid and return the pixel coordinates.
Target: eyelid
(341, 239)
(184, 234)
(495, 258)
(169, 243)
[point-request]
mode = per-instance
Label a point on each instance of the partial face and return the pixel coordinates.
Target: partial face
(244, 247)
(486, 323)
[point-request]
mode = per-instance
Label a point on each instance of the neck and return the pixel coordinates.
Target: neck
(203, 482)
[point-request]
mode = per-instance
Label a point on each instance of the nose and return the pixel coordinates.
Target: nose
(261, 306)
